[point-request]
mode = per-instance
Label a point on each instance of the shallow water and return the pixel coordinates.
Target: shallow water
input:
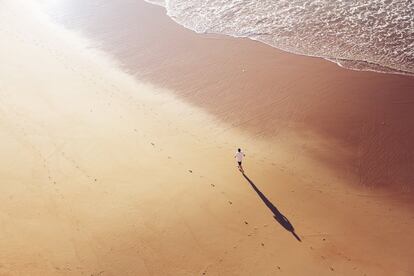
(375, 35)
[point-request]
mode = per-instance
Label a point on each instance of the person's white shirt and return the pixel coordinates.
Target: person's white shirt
(239, 156)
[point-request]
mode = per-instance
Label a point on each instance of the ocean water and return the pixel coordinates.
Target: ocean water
(376, 35)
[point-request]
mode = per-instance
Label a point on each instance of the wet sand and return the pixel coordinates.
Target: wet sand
(104, 173)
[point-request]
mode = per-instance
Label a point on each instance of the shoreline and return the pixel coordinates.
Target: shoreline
(338, 61)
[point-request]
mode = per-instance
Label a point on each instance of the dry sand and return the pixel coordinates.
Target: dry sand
(103, 174)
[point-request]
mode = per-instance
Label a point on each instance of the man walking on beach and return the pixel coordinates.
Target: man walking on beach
(239, 158)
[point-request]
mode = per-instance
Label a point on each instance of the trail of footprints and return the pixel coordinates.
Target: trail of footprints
(125, 100)
(109, 89)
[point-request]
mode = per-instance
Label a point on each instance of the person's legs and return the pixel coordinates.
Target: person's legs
(240, 166)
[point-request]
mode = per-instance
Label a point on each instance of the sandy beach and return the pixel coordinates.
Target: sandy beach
(118, 135)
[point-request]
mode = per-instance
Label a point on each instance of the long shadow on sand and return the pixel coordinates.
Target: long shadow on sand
(279, 217)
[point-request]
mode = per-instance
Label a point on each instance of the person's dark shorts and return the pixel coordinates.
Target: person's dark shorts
(239, 163)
